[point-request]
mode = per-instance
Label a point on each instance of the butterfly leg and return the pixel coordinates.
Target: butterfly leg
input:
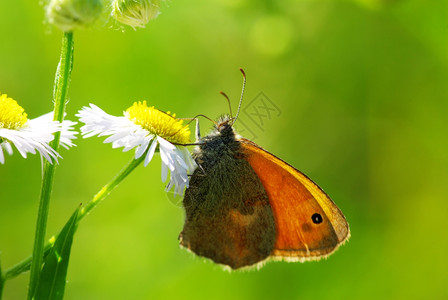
(198, 132)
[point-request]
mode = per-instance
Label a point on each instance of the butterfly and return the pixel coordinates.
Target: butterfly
(244, 205)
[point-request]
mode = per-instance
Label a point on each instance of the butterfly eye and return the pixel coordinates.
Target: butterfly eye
(317, 218)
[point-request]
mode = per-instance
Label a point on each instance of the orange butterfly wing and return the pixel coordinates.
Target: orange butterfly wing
(308, 224)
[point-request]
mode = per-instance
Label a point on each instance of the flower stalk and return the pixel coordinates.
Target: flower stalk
(62, 80)
(109, 187)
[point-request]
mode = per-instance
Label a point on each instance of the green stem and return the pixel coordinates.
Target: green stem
(24, 265)
(60, 94)
(110, 186)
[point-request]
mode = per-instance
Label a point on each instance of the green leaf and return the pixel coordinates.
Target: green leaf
(52, 278)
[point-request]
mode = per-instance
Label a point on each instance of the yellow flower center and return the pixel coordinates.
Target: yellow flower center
(159, 123)
(12, 115)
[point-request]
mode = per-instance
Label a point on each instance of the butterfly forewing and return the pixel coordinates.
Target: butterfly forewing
(308, 224)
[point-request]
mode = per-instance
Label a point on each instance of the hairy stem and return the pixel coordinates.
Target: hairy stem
(61, 84)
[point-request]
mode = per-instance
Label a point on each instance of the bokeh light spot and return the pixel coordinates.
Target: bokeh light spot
(272, 35)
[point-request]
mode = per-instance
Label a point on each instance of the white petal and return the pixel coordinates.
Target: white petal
(166, 157)
(179, 159)
(180, 163)
(2, 156)
(167, 145)
(34, 137)
(8, 147)
(188, 159)
(121, 131)
(142, 148)
(116, 136)
(164, 171)
(68, 133)
(151, 151)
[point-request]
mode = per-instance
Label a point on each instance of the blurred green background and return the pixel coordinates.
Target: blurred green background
(361, 91)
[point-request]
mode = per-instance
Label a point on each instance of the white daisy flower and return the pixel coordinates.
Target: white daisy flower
(29, 136)
(143, 128)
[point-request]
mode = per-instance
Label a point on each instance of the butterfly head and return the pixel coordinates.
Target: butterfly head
(224, 125)
(222, 135)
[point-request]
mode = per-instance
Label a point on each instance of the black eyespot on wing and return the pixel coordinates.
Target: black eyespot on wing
(316, 218)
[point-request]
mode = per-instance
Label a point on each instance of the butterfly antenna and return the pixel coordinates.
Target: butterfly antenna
(228, 101)
(188, 123)
(242, 93)
(195, 117)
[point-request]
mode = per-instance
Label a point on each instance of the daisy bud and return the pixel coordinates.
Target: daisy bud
(135, 13)
(70, 14)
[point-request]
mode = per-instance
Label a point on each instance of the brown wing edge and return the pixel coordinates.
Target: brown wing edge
(272, 258)
(298, 256)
